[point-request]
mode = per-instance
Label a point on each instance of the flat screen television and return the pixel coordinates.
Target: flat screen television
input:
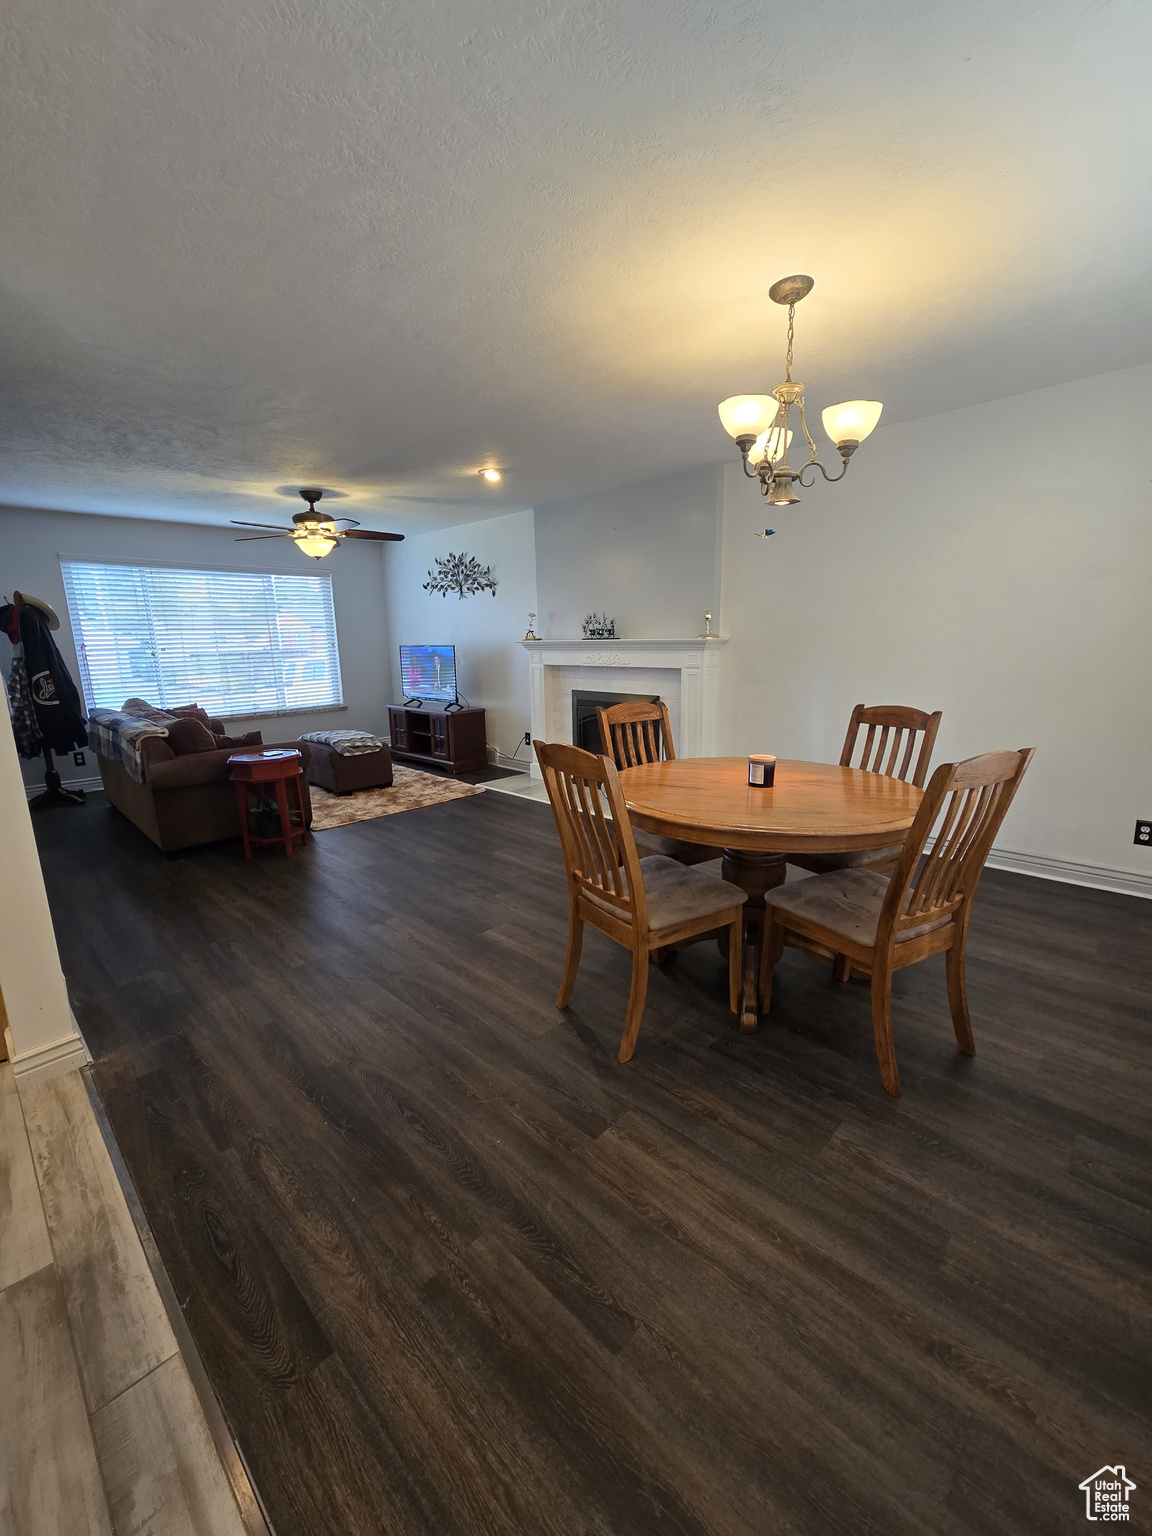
(429, 672)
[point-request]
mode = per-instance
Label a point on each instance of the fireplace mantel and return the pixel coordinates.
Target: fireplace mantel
(695, 661)
(695, 644)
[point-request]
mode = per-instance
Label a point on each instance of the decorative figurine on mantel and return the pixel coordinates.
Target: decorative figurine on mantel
(531, 634)
(598, 626)
(709, 632)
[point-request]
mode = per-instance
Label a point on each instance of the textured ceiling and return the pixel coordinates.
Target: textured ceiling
(250, 243)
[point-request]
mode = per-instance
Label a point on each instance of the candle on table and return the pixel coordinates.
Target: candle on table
(761, 769)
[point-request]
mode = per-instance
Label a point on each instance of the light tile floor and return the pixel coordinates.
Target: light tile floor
(523, 785)
(104, 1434)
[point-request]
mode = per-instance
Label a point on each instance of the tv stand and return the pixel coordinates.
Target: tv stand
(442, 736)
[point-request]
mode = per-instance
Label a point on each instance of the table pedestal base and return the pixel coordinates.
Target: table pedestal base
(754, 873)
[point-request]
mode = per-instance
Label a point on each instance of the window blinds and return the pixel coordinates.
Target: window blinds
(238, 643)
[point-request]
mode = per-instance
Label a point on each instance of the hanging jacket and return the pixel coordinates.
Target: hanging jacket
(29, 742)
(55, 700)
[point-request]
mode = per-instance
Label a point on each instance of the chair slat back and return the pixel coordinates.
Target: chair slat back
(965, 803)
(595, 833)
(890, 741)
(636, 733)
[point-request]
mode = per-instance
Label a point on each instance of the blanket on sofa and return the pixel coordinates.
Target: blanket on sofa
(117, 736)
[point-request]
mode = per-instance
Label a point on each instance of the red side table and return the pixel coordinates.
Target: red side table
(280, 766)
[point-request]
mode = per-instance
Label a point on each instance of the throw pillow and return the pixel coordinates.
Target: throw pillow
(189, 735)
(192, 712)
(252, 739)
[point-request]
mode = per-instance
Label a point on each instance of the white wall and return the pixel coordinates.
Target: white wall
(993, 563)
(645, 554)
(31, 983)
(492, 666)
(32, 541)
(977, 562)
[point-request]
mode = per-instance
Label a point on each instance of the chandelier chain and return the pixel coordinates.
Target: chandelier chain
(791, 329)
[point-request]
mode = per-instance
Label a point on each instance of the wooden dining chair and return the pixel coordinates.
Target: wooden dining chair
(635, 733)
(898, 743)
(882, 923)
(644, 906)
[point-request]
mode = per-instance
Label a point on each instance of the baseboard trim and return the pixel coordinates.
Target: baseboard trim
(1125, 882)
(502, 760)
(89, 786)
(55, 1059)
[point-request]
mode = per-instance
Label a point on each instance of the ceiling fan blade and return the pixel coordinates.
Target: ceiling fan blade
(236, 523)
(252, 538)
(367, 533)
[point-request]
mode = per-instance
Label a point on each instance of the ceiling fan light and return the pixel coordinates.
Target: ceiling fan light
(747, 415)
(851, 421)
(316, 542)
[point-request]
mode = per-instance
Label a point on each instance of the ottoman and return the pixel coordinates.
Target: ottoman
(341, 775)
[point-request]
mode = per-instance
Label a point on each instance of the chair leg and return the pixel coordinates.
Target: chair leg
(772, 947)
(635, 1004)
(842, 968)
(958, 992)
(882, 1027)
(571, 958)
(736, 960)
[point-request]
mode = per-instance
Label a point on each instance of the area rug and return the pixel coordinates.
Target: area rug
(410, 790)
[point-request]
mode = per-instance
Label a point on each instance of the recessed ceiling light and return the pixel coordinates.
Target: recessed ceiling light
(491, 475)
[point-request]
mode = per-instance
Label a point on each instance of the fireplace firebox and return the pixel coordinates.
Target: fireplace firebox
(585, 723)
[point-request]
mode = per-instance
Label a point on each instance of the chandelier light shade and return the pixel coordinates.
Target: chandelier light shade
(760, 423)
(852, 421)
(769, 445)
(747, 415)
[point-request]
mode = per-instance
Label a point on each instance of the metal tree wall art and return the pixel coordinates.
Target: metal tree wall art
(462, 574)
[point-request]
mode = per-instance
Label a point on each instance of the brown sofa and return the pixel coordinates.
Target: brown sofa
(186, 800)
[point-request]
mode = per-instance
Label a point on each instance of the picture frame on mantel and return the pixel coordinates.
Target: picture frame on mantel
(684, 672)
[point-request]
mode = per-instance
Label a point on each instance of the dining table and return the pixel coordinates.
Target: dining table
(809, 808)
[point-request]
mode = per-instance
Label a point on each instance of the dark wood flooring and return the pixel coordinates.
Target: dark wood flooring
(454, 1271)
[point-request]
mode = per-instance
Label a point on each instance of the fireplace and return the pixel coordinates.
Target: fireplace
(685, 674)
(585, 725)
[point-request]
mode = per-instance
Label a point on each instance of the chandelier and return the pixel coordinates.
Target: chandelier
(759, 423)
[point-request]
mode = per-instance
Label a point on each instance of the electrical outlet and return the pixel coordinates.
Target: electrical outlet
(1143, 834)
(527, 738)
(79, 759)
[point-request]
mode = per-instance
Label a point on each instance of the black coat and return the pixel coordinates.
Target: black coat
(59, 711)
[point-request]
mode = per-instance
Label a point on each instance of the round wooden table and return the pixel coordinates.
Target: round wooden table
(811, 808)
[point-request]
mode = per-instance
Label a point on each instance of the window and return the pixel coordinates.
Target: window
(235, 642)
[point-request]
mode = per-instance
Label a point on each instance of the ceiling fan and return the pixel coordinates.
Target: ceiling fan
(312, 532)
